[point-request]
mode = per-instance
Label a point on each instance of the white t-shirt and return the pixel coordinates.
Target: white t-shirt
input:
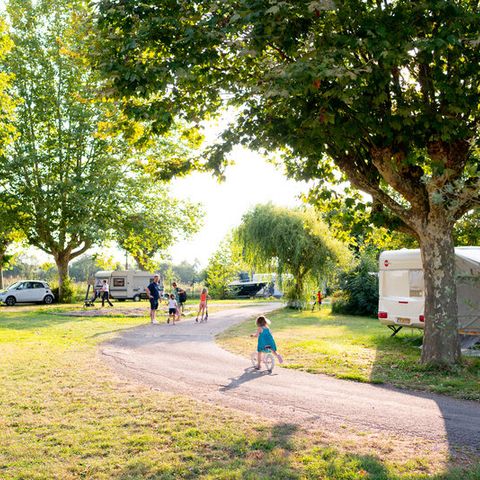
(105, 287)
(172, 303)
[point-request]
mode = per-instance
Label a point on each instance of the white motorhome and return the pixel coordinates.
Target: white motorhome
(125, 284)
(401, 289)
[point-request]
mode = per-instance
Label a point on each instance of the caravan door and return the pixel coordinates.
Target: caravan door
(118, 286)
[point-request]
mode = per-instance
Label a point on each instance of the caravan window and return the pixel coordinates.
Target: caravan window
(119, 282)
(395, 283)
(403, 283)
(416, 283)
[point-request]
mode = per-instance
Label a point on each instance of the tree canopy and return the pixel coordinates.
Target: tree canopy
(7, 100)
(152, 221)
(385, 91)
(290, 241)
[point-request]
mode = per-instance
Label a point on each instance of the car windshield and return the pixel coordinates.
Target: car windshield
(14, 285)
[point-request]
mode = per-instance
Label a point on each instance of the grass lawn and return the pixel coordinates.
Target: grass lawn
(65, 415)
(357, 348)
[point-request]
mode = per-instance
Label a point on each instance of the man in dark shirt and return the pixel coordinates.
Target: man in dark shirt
(153, 294)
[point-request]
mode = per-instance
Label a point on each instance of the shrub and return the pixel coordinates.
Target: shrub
(339, 302)
(359, 290)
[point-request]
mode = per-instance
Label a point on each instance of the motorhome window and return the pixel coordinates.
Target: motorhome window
(396, 283)
(416, 283)
(118, 282)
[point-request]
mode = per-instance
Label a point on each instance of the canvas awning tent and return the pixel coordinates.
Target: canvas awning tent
(467, 266)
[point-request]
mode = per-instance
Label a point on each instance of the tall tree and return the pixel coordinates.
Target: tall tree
(388, 91)
(153, 221)
(291, 241)
(63, 168)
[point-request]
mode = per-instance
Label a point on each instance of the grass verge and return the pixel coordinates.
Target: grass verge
(65, 416)
(357, 348)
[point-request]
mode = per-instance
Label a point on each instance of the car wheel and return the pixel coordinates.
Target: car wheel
(48, 300)
(10, 301)
(136, 298)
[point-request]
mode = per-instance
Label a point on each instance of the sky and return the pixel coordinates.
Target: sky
(251, 180)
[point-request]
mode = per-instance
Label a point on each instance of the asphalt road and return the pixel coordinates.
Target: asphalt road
(185, 359)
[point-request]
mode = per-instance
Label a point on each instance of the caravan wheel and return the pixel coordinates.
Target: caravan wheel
(136, 298)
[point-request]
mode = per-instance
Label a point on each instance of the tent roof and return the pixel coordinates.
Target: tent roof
(467, 260)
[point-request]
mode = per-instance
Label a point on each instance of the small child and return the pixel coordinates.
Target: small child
(172, 309)
(202, 307)
(318, 300)
(265, 340)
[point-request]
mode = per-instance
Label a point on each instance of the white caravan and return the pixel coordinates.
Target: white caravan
(401, 289)
(125, 284)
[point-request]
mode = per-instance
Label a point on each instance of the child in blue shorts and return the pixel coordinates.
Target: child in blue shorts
(265, 340)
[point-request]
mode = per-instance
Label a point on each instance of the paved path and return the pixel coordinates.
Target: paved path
(185, 359)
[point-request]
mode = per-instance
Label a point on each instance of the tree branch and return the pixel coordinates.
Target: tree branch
(405, 179)
(469, 198)
(78, 252)
(361, 181)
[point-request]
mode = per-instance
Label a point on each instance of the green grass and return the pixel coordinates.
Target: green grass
(65, 415)
(357, 348)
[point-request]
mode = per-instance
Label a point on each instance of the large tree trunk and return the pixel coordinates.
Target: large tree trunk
(441, 345)
(62, 260)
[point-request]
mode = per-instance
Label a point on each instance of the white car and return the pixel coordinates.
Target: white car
(27, 291)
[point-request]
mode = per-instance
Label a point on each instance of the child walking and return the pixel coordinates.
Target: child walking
(202, 306)
(172, 309)
(318, 300)
(265, 340)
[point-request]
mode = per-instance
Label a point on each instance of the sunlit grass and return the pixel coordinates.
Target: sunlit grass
(357, 348)
(65, 415)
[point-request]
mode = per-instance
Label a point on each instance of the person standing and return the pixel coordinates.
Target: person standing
(172, 309)
(202, 307)
(105, 290)
(153, 294)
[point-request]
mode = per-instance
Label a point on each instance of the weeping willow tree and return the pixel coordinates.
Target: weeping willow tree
(291, 241)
